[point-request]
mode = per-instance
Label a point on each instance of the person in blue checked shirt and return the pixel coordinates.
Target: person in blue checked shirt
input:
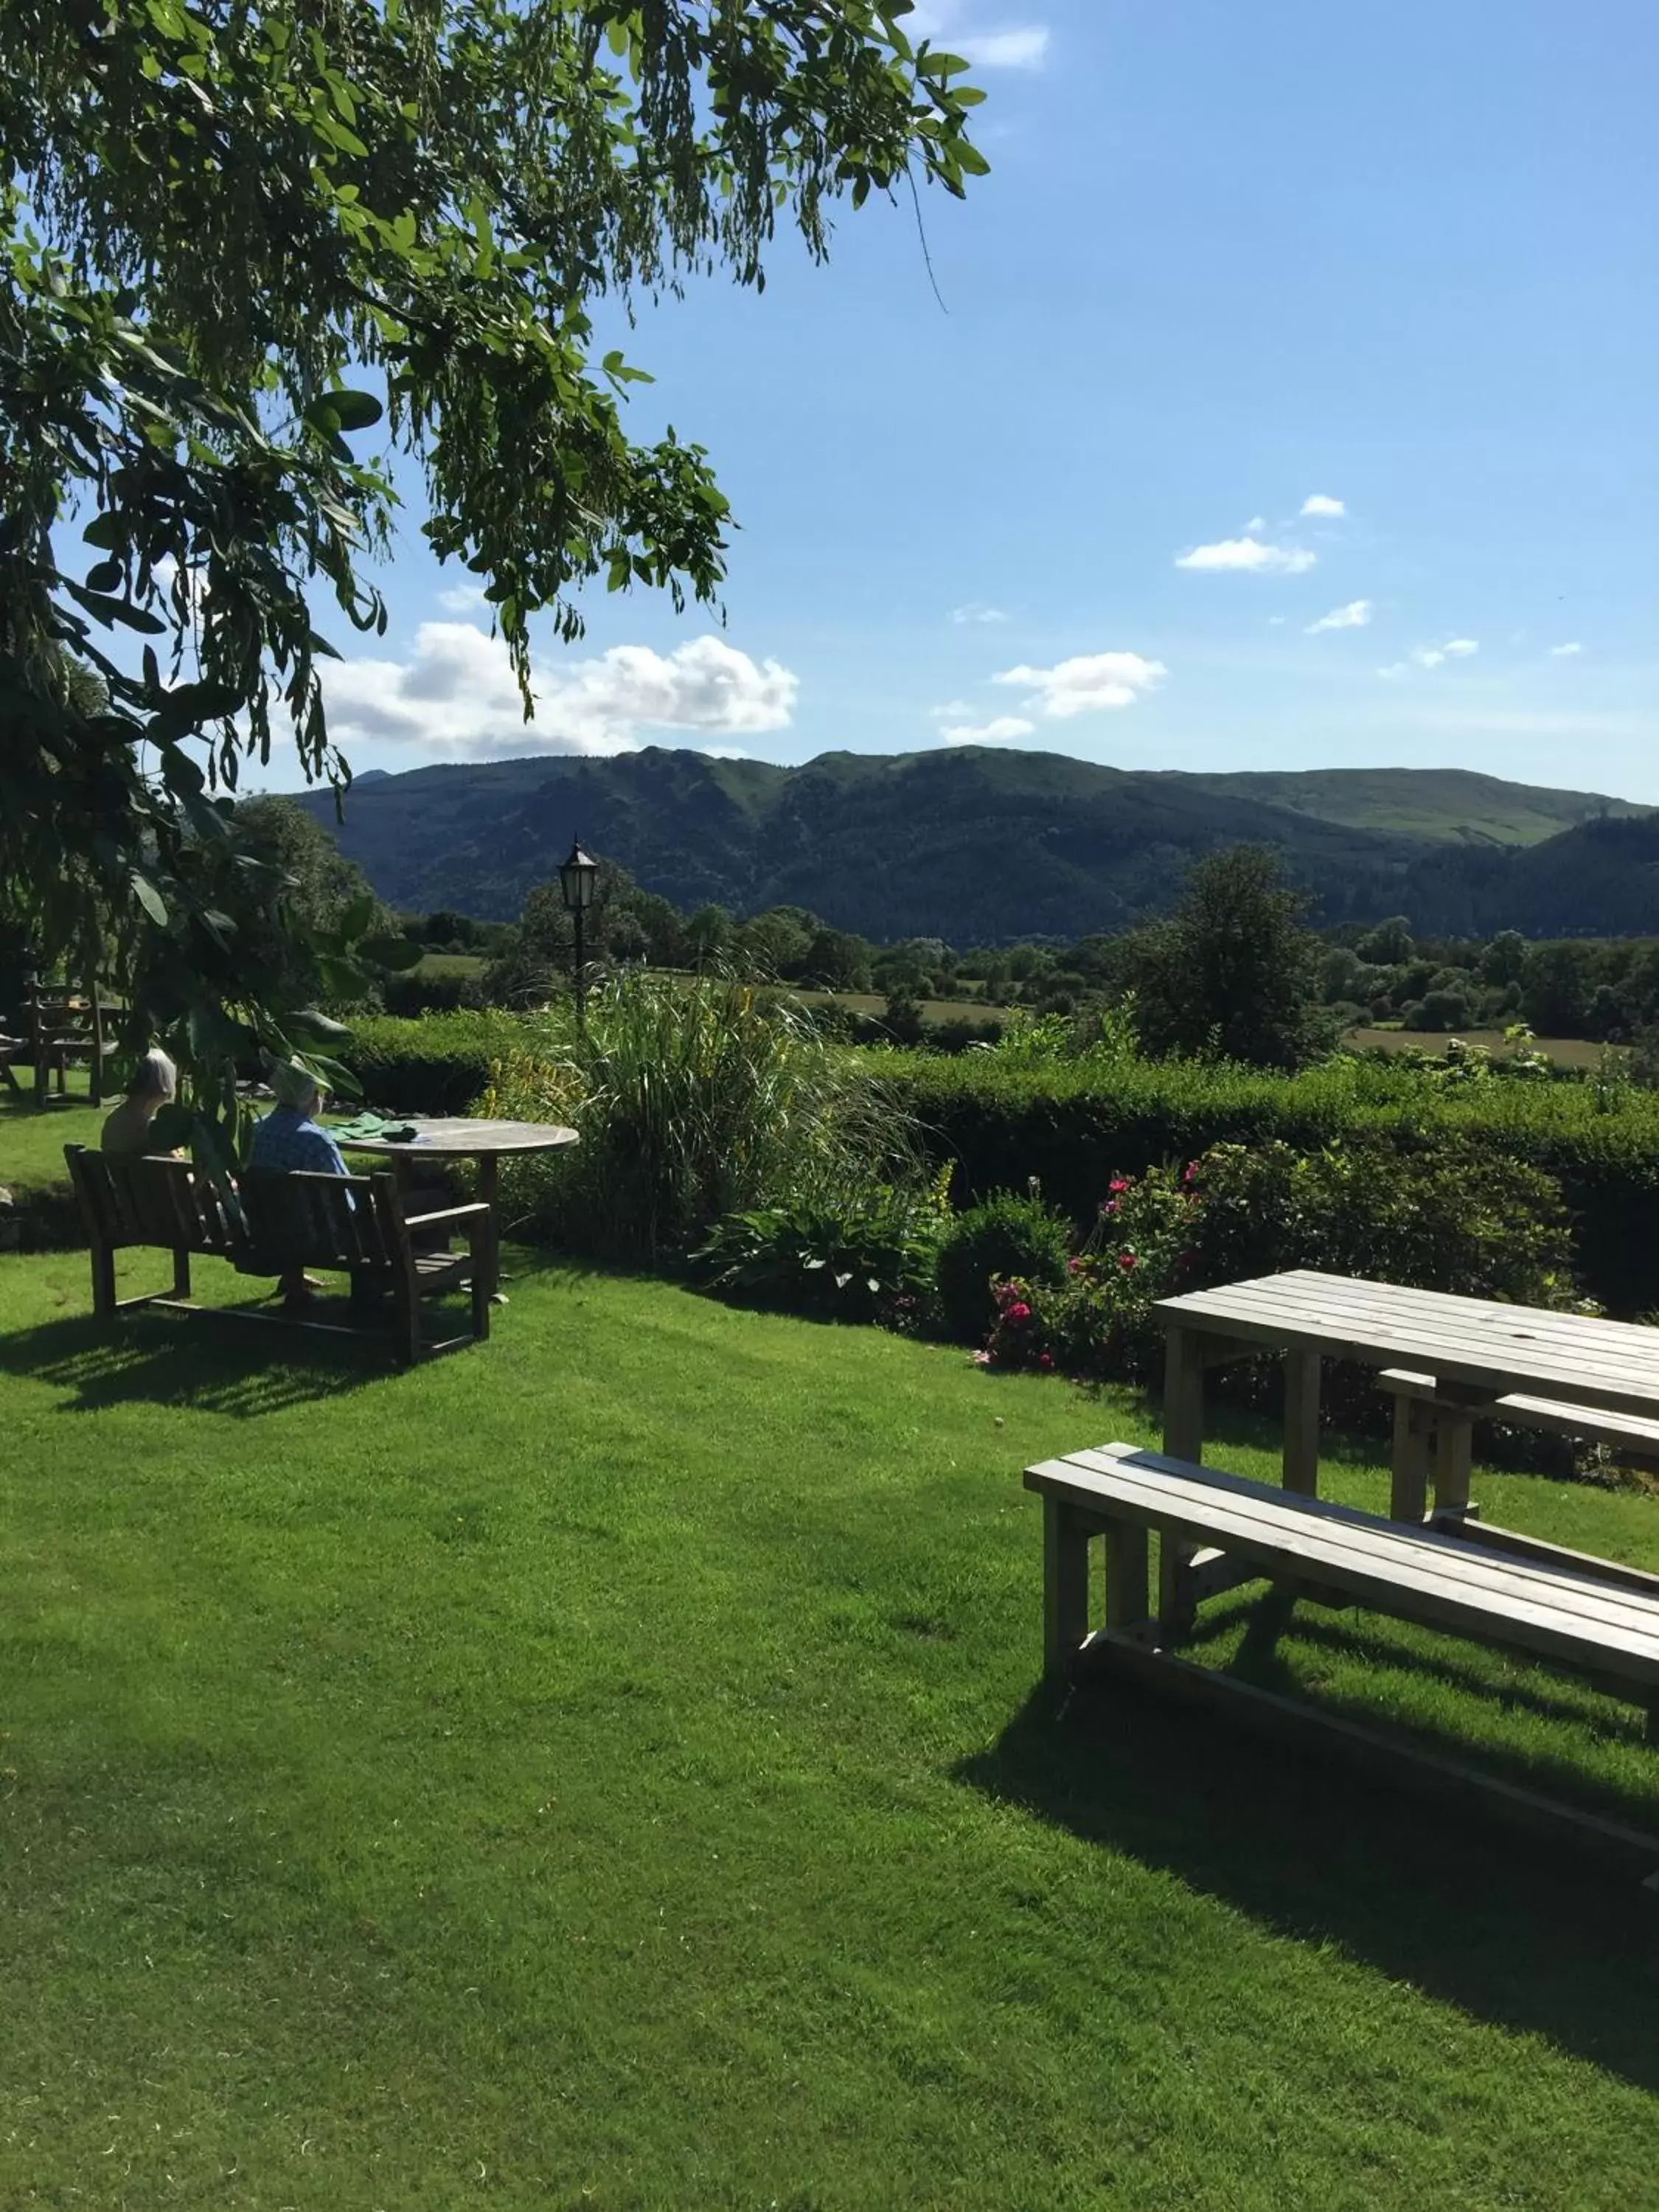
(290, 1138)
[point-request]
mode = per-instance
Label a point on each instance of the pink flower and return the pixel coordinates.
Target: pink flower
(1118, 1182)
(1074, 1266)
(982, 1358)
(1125, 1261)
(1189, 1173)
(1046, 1362)
(1018, 1313)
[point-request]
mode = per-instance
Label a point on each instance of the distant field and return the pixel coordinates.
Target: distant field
(1571, 1052)
(932, 1010)
(464, 964)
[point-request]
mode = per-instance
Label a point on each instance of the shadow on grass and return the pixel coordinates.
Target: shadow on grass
(1473, 1914)
(203, 1363)
(1267, 1618)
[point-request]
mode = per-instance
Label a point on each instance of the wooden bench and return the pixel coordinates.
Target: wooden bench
(1570, 1618)
(1433, 1441)
(163, 1204)
(268, 1225)
(357, 1224)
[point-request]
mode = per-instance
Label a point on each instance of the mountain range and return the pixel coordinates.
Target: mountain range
(979, 845)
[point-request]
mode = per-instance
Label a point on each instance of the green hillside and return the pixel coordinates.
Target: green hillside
(983, 845)
(1448, 806)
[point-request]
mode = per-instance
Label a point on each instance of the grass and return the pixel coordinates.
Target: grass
(875, 1002)
(32, 1140)
(467, 966)
(606, 1768)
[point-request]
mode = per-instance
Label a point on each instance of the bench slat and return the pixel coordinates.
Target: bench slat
(1444, 1580)
(1586, 1421)
(1230, 1501)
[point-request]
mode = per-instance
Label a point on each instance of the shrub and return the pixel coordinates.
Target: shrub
(443, 993)
(1442, 1215)
(859, 1255)
(694, 1099)
(1073, 1126)
(1007, 1235)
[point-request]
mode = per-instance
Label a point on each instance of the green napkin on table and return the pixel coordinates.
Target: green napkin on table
(371, 1125)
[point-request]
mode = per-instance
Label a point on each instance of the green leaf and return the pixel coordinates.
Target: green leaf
(322, 1029)
(357, 918)
(109, 611)
(150, 899)
(332, 412)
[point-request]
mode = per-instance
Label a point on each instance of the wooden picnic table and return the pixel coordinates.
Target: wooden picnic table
(455, 1138)
(1476, 1351)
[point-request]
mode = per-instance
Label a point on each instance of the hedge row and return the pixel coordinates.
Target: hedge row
(438, 1064)
(1073, 1128)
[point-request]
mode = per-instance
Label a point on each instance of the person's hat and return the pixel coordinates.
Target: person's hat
(295, 1084)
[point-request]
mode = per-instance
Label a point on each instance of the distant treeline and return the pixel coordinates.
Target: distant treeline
(1606, 991)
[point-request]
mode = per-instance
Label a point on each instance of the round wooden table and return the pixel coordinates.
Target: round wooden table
(487, 1142)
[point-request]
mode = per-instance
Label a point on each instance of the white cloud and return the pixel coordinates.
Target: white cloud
(1025, 47)
(1394, 668)
(999, 728)
(977, 612)
(1248, 556)
(457, 694)
(1276, 622)
(1322, 503)
(1022, 46)
(1355, 616)
(1257, 524)
(1565, 652)
(1455, 648)
(952, 710)
(463, 599)
(1087, 683)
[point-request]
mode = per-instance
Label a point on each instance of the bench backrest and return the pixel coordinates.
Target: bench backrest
(136, 1200)
(300, 1219)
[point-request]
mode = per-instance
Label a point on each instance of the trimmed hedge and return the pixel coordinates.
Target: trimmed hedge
(438, 1064)
(1073, 1128)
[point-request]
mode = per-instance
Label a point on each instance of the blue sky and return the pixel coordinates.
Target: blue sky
(1233, 265)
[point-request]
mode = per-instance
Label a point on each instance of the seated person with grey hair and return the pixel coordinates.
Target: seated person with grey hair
(126, 1131)
(290, 1138)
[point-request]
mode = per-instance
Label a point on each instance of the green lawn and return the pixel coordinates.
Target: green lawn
(32, 1140)
(606, 1768)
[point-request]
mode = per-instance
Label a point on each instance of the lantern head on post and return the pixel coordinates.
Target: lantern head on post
(579, 879)
(579, 885)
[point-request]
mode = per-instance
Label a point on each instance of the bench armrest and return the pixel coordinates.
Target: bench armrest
(478, 1209)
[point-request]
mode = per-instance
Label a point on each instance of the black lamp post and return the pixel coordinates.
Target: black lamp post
(579, 885)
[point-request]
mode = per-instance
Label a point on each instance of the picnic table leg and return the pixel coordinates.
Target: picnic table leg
(1183, 1438)
(488, 1189)
(1302, 1379)
(1126, 1574)
(1408, 1498)
(1454, 1436)
(1065, 1583)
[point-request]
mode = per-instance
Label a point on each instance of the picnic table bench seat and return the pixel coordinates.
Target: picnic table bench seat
(271, 1225)
(1556, 1611)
